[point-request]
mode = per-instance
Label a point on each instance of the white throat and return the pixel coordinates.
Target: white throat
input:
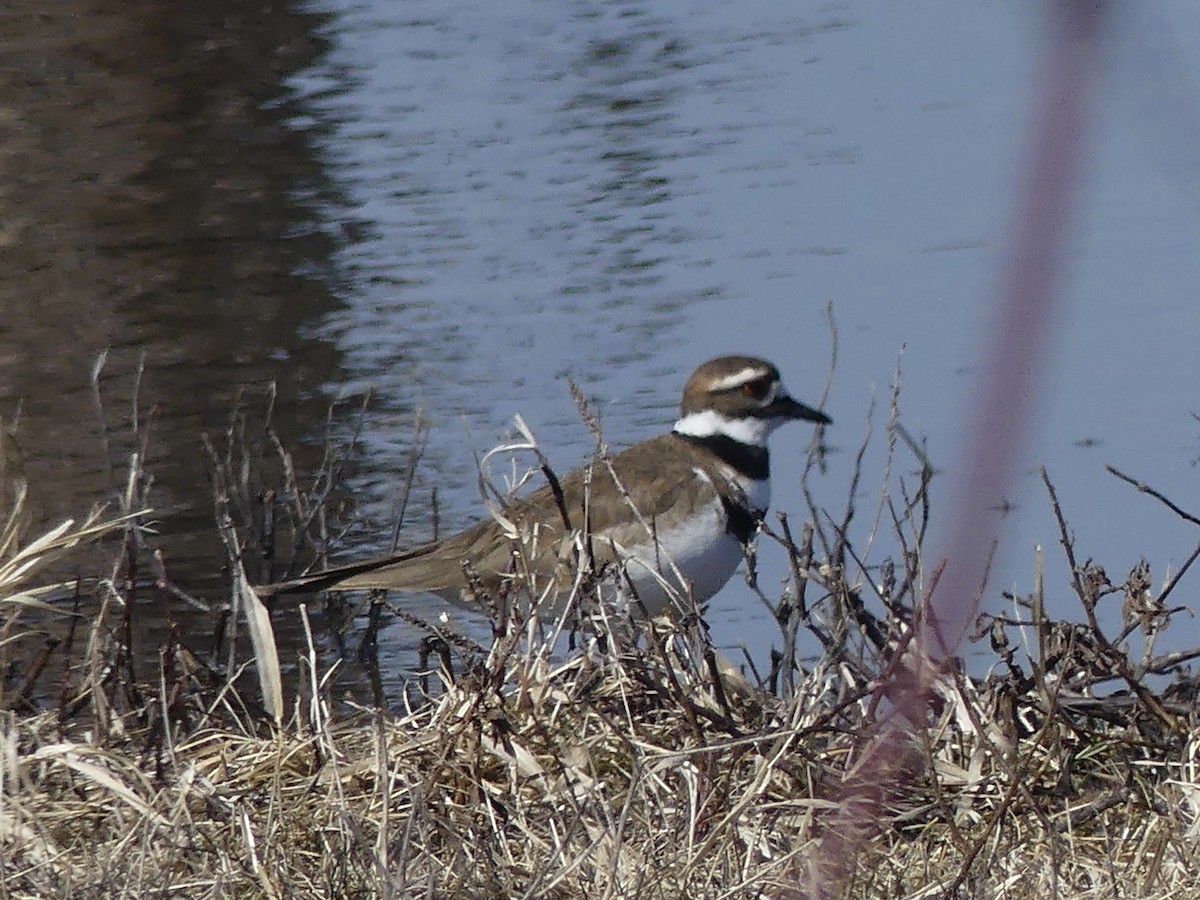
(710, 423)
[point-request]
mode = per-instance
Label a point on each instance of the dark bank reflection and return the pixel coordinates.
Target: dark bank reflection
(158, 204)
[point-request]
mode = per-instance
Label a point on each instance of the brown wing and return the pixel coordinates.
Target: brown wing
(657, 477)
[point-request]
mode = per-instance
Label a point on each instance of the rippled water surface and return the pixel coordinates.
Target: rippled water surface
(459, 205)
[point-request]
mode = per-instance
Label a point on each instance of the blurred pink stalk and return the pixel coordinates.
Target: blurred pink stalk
(1023, 322)
(996, 433)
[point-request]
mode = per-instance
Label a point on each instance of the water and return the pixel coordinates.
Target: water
(460, 205)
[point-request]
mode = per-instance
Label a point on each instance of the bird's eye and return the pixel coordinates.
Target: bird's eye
(758, 389)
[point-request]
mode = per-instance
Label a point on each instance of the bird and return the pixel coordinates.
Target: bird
(669, 518)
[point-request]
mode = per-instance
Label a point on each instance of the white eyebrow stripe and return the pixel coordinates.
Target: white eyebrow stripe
(738, 378)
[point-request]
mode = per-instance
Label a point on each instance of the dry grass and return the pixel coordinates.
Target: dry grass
(636, 765)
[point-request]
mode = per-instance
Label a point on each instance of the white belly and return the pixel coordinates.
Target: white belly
(702, 550)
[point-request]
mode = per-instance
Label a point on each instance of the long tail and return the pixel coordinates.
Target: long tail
(332, 579)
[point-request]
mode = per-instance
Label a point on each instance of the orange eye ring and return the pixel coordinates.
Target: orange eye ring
(758, 389)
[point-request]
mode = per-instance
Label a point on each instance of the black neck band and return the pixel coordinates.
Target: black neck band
(747, 460)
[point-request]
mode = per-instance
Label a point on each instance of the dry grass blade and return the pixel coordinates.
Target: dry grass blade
(258, 623)
(29, 599)
(11, 532)
(266, 653)
(102, 776)
(23, 564)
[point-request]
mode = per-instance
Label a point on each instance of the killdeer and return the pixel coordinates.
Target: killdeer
(683, 505)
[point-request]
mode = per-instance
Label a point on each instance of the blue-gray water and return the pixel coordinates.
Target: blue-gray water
(457, 205)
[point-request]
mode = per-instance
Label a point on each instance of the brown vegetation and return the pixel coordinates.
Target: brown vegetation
(635, 764)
